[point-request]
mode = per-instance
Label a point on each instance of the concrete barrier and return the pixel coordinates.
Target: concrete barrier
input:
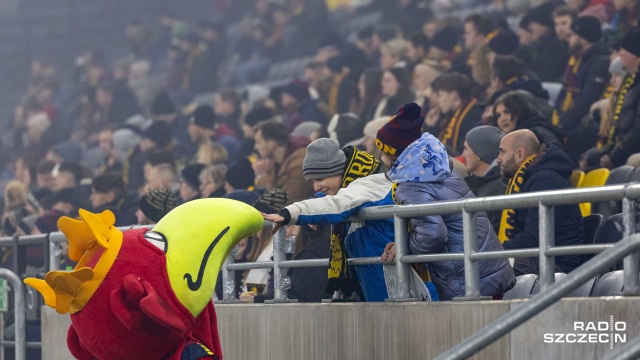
(395, 330)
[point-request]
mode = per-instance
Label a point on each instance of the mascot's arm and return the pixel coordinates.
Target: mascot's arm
(73, 342)
(139, 307)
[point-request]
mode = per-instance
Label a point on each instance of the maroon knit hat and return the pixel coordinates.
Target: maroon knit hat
(402, 129)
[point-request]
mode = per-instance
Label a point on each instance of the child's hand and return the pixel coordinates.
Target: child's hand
(274, 218)
(389, 253)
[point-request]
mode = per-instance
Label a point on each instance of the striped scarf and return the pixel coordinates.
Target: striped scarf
(508, 215)
(570, 89)
(359, 164)
(450, 135)
(624, 89)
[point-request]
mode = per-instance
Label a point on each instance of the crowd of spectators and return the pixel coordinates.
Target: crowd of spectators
(186, 116)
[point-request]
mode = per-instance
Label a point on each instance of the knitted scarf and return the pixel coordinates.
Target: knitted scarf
(449, 135)
(569, 86)
(508, 215)
(626, 85)
(359, 164)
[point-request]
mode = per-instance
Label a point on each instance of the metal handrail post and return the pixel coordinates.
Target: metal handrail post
(546, 227)
(630, 262)
(538, 302)
(54, 256)
(19, 312)
(279, 292)
(229, 278)
(402, 246)
(471, 271)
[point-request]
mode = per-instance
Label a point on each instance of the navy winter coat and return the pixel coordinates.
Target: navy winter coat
(550, 172)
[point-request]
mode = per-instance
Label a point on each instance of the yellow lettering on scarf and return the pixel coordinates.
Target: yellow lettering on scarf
(335, 263)
(360, 165)
(507, 222)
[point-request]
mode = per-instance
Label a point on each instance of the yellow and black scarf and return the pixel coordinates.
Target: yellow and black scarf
(508, 215)
(359, 164)
(624, 89)
(570, 89)
(449, 135)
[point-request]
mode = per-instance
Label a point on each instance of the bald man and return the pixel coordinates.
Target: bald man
(531, 167)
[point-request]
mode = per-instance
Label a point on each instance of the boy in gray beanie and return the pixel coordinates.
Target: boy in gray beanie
(346, 180)
(324, 164)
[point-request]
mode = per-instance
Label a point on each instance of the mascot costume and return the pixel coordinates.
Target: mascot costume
(144, 294)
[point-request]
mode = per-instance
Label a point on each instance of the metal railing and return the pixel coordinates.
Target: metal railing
(542, 300)
(544, 201)
(547, 251)
(19, 313)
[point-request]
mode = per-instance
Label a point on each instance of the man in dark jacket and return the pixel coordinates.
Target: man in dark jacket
(480, 152)
(550, 55)
(532, 167)
(585, 79)
(625, 131)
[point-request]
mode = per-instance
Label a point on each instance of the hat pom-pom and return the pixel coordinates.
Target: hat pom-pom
(411, 111)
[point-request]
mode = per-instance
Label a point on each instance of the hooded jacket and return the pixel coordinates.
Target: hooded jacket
(544, 130)
(423, 175)
(550, 171)
(586, 87)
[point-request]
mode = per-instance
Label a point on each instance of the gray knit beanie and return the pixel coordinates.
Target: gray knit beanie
(485, 142)
(324, 159)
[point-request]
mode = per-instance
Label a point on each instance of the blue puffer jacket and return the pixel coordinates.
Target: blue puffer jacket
(423, 175)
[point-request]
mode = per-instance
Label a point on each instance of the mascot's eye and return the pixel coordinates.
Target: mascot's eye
(156, 239)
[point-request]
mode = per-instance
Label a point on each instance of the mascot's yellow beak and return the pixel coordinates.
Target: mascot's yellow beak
(93, 239)
(199, 236)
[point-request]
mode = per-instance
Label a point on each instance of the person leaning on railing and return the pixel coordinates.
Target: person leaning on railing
(348, 180)
(421, 173)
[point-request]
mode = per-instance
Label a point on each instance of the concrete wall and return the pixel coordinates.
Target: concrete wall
(389, 330)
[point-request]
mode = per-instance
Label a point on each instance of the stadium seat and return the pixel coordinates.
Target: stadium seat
(585, 289)
(536, 287)
(522, 289)
(611, 230)
(577, 177)
(591, 224)
(617, 176)
(609, 284)
(596, 177)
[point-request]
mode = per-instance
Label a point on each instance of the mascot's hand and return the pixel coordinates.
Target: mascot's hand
(139, 307)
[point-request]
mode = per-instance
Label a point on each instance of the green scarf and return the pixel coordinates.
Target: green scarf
(359, 164)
